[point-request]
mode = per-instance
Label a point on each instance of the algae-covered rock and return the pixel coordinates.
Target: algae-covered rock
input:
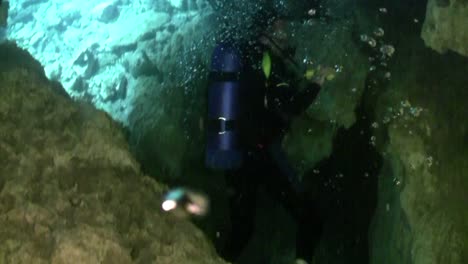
(70, 192)
(335, 44)
(446, 26)
(421, 215)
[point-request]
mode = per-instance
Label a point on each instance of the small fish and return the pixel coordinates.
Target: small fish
(184, 202)
(312, 12)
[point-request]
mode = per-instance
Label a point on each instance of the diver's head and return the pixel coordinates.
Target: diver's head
(278, 32)
(277, 37)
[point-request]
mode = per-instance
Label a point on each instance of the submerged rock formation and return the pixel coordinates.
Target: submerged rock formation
(70, 192)
(421, 215)
(446, 26)
(423, 136)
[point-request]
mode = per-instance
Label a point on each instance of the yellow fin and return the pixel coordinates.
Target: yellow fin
(266, 64)
(309, 74)
(330, 77)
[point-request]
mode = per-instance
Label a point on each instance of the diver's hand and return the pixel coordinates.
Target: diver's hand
(324, 74)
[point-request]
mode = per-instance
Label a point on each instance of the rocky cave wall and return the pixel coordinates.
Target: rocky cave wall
(444, 28)
(422, 186)
(70, 191)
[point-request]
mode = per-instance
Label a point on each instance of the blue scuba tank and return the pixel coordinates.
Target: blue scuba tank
(223, 150)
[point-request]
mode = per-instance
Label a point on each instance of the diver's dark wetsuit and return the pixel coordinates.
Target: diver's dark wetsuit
(263, 126)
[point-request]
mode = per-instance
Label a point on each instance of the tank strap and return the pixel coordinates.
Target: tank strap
(221, 125)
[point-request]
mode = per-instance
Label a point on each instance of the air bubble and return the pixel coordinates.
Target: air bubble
(387, 50)
(364, 38)
(379, 32)
(429, 161)
(312, 12)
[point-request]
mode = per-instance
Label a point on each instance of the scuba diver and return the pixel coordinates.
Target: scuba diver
(255, 91)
